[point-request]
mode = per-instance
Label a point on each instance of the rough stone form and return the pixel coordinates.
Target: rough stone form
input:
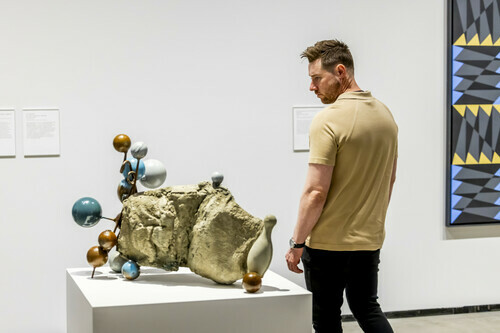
(195, 226)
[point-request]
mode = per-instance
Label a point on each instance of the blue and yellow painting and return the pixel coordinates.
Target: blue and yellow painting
(475, 112)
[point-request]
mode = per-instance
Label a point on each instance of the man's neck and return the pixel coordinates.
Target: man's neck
(350, 85)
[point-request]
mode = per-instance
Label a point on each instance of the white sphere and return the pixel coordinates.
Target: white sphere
(217, 178)
(155, 174)
(139, 150)
(116, 261)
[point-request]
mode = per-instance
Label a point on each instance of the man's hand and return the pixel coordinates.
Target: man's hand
(293, 258)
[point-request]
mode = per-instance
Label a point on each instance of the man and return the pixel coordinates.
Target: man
(352, 168)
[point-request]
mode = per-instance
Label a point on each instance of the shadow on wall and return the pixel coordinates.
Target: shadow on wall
(473, 231)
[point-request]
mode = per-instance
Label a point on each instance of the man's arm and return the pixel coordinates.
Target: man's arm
(312, 201)
(393, 176)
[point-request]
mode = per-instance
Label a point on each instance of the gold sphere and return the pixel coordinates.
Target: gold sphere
(122, 143)
(97, 256)
(107, 239)
(252, 282)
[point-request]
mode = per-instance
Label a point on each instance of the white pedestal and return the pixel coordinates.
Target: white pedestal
(173, 302)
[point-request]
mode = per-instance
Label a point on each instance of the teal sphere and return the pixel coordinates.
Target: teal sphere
(87, 212)
(133, 162)
(130, 270)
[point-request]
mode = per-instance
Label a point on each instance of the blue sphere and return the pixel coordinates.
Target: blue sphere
(86, 212)
(130, 270)
(133, 162)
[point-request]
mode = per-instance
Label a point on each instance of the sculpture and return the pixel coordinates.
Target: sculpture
(196, 226)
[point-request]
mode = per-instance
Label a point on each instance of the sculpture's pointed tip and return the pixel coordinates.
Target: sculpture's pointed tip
(270, 219)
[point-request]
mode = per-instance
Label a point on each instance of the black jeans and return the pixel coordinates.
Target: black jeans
(328, 273)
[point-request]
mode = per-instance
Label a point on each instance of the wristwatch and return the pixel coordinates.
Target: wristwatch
(294, 245)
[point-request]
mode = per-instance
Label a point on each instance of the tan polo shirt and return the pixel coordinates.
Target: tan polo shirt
(358, 136)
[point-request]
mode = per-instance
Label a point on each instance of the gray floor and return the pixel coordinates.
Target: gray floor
(481, 322)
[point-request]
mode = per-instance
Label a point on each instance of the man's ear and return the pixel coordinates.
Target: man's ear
(341, 70)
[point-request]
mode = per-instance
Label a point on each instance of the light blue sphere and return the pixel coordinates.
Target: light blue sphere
(133, 162)
(130, 270)
(86, 212)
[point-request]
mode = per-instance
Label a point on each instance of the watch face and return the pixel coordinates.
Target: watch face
(292, 243)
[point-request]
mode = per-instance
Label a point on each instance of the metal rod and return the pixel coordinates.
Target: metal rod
(136, 175)
(124, 164)
(93, 273)
(117, 220)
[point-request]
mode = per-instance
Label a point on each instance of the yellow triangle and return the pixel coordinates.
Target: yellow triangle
(487, 108)
(497, 107)
(460, 109)
(483, 159)
(470, 159)
(474, 108)
(497, 43)
(487, 41)
(496, 159)
(461, 41)
(474, 41)
(457, 160)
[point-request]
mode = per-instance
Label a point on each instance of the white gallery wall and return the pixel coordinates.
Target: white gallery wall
(210, 85)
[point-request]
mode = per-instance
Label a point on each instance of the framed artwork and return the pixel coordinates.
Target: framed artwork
(473, 112)
(302, 118)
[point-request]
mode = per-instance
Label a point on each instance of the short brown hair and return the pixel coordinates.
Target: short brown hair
(331, 52)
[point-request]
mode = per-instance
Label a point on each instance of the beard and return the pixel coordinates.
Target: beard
(330, 96)
(328, 99)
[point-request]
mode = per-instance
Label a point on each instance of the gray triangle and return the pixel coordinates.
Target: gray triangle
(490, 95)
(484, 28)
(466, 173)
(495, 119)
(470, 117)
(490, 212)
(464, 85)
(474, 146)
(467, 54)
(496, 22)
(465, 188)
(487, 151)
(484, 120)
(491, 80)
(490, 197)
(494, 65)
(462, 203)
(492, 183)
(487, 3)
(471, 32)
(469, 70)
(462, 9)
(461, 148)
(476, 9)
